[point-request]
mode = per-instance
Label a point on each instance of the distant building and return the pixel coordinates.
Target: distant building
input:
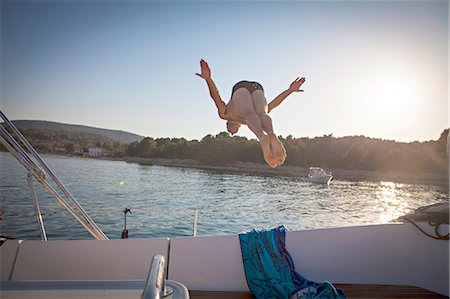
(59, 149)
(96, 151)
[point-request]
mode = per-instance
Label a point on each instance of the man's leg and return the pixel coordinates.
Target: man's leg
(241, 106)
(254, 124)
(278, 150)
(260, 106)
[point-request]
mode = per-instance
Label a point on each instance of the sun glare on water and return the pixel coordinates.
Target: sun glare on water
(392, 203)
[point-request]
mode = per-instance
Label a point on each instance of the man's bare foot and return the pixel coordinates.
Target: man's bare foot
(267, 151)
(278, 151)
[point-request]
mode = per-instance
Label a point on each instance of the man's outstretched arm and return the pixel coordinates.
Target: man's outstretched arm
(213, 91)
(295, 87)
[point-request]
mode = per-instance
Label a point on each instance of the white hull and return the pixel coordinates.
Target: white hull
(391, 254)
(319, 176)
(326, 179)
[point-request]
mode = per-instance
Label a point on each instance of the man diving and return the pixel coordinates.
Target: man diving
(248, 106)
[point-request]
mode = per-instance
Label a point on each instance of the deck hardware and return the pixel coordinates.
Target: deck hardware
(125, 231)
(155, 286)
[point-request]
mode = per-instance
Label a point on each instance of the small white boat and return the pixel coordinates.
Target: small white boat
(320, 176)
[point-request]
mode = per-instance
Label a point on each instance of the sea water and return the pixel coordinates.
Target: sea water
(162, 200)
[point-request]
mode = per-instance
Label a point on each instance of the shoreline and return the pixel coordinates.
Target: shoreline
(435, 179)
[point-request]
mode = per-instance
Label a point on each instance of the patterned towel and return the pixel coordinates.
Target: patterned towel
(270, 271)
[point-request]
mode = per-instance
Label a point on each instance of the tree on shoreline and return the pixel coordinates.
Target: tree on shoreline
(352, 152)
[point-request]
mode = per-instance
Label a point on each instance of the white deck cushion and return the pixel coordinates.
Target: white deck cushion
(8, 252)
(208, 263)
(87, 259)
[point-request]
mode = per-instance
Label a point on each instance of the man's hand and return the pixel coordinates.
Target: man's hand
(295, 86)
(205, 70)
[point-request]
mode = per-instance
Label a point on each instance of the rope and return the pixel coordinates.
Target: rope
(439, 236)
(149, 209)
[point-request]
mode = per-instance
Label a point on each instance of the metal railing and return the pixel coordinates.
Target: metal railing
(39, 170)
(155, 286)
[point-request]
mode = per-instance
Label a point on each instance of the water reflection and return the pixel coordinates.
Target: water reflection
(392, 199)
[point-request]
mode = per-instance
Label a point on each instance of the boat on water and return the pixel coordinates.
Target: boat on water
(319, 176)
(408, 258)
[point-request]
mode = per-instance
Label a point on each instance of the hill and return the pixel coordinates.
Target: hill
(115, 135)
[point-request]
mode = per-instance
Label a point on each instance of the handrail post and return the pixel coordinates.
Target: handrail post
(194, 230)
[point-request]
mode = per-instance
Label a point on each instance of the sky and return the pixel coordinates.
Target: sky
(372, 68)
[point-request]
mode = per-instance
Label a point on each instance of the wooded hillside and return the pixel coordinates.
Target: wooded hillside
(115, 135)
(354, 152)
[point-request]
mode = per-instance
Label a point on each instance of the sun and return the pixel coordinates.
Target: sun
(395, 92)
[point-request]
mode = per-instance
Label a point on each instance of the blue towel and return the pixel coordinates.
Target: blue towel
(270, 271)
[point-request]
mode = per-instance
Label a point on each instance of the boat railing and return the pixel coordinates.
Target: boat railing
(39, 170)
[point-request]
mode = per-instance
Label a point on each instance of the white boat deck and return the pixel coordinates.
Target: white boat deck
(391, 254)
